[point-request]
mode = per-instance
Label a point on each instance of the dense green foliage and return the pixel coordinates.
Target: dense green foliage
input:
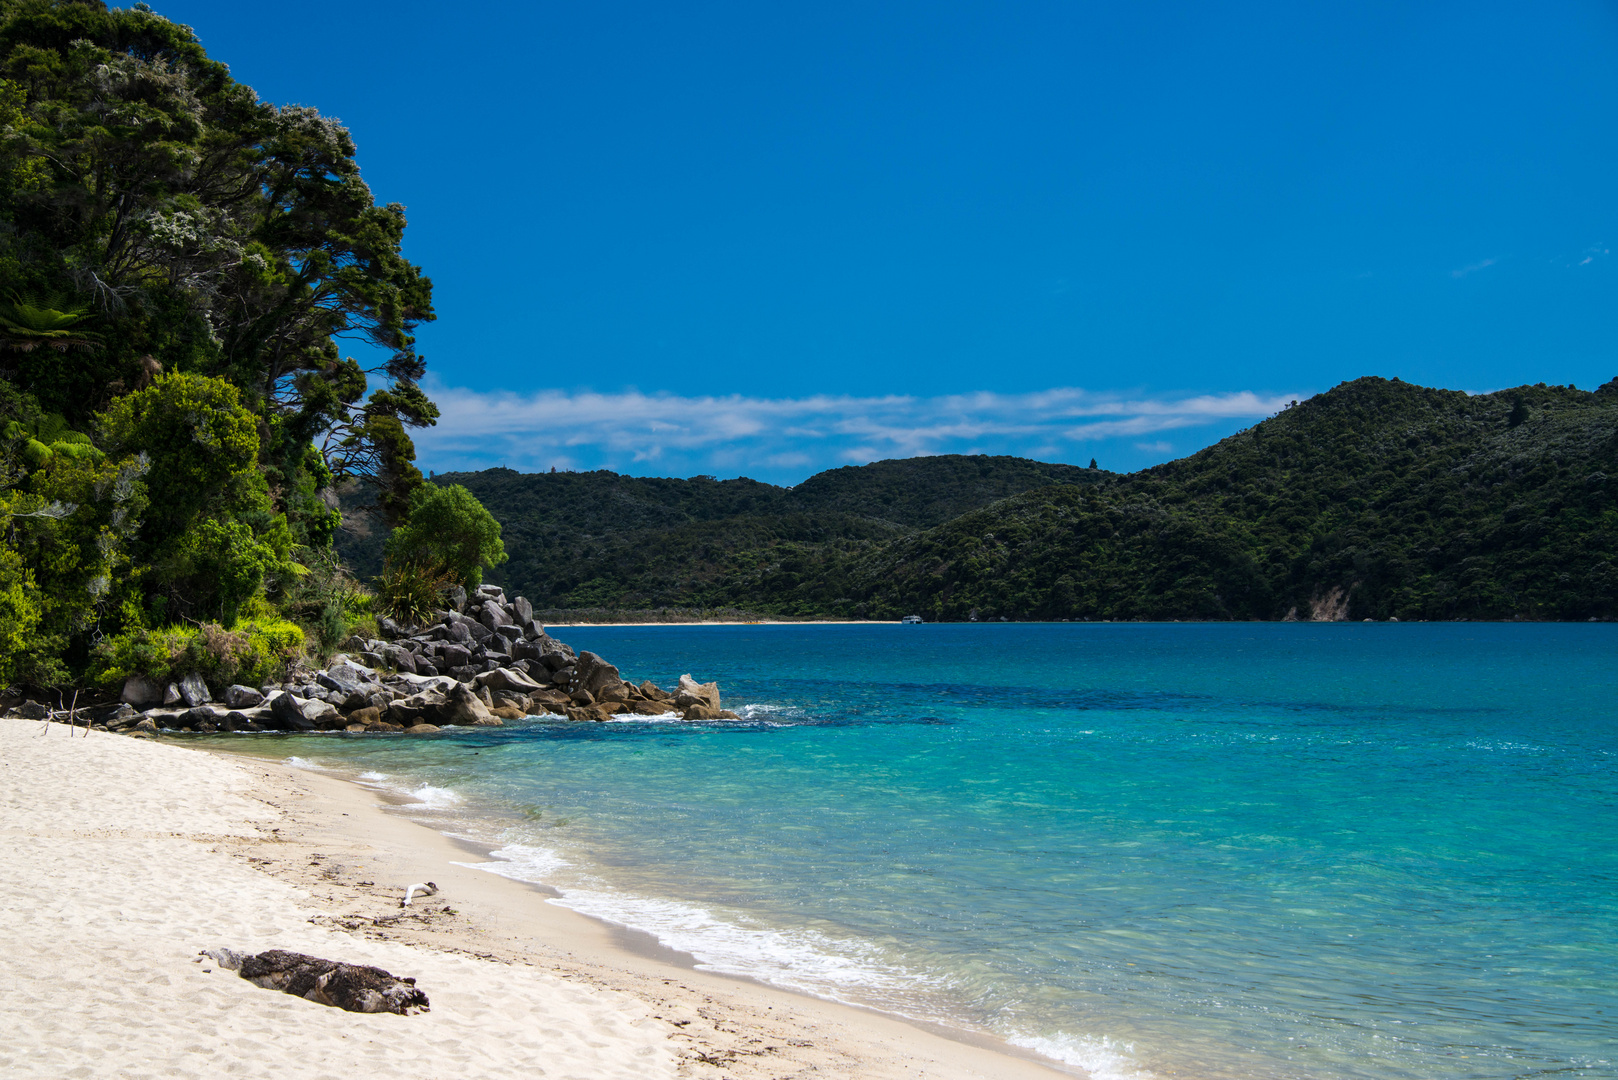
(1377, 499)
(178, 261)
(597, 539)
(448, 531)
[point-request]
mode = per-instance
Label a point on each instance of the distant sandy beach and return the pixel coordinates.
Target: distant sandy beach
(122, 859)
(743, 622)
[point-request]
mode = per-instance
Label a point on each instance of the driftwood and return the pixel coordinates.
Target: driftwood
(353, 987)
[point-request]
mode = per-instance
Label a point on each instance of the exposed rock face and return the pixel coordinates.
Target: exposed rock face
(354, 987)
(32, 710)
(171, 696)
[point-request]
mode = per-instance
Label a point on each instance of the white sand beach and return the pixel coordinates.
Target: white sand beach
(122, 859)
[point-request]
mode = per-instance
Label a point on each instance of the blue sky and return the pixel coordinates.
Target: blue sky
(758, 239)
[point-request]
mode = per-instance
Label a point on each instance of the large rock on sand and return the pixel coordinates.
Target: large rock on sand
(141, 692)
(194, 691)
(238, 696)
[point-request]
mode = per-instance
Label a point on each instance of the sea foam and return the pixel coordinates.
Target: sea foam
(1101, 1057)
(803, 960)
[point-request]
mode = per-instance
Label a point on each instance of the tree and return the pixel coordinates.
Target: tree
(211, 537)
(160, 210)
(448, 530)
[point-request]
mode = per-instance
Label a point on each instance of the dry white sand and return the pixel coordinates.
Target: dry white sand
(112, 879)
(121, 859)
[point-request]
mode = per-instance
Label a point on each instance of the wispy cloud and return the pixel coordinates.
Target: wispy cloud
(1472, 268)
(790, 438)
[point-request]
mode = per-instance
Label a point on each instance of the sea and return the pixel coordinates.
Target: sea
(1258, 851)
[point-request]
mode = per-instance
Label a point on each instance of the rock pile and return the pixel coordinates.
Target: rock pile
(479, 662)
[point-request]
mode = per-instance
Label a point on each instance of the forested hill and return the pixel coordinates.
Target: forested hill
(1376, 499)
(601, 539)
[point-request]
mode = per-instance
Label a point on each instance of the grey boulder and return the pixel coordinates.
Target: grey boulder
(692, 693)
(463, 708)
(509, 680)
(238, 696)
(287, 714)
(141, 692)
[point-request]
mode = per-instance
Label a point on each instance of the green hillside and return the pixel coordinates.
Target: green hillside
(1375, 499)
(598, 539)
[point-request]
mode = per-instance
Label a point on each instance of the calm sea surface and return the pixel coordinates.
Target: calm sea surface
(1252, 850)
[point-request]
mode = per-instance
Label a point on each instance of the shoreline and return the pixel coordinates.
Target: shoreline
(125, 857)
(760, 1030)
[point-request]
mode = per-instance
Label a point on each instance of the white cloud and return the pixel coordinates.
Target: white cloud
(678, 435)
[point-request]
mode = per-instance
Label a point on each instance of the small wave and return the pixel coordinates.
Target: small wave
(1505, 745)
(373, 777)
(304, 763)
(521, 862)
(1101, 1057)
(780, 714)
(754, 714)
(436, 797)
(803, 960)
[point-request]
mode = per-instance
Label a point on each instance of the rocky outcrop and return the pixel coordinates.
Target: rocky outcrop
(354, 987)
(481, 661)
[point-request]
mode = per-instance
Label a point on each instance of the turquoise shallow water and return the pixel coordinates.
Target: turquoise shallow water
(1256, 850)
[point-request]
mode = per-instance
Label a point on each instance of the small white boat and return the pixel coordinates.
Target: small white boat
(911, 619)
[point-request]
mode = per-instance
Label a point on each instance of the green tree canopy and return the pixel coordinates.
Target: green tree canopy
(211, 537)
(449, 529)
(161, 213)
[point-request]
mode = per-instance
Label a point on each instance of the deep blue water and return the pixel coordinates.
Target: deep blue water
(1251, 850)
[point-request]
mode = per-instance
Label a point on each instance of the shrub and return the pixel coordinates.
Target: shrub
(255, 652)
(410, 591)
(449, 531)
